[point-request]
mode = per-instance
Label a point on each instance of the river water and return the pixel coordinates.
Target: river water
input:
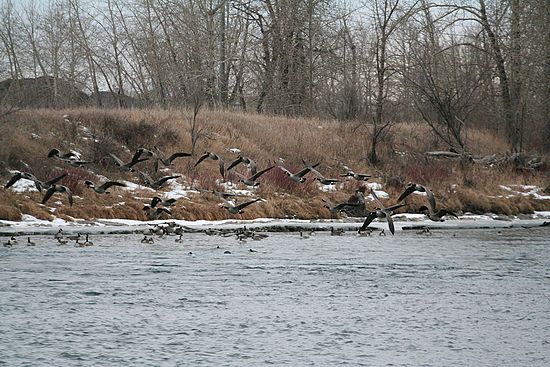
(464, 298)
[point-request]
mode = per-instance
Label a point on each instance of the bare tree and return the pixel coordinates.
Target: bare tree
(7, 36)
(388, 16)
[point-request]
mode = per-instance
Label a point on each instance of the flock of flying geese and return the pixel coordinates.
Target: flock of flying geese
(158, 206)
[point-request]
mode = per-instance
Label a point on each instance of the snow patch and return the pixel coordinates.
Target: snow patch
(24, 185)
(374, 185)
(381, 194)
(232, 188)
(327, 188)
(131, 186)
(529, 190)
(178, 191)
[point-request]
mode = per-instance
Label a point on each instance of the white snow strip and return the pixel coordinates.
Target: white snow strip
(178, 191)
(327, 188)
(533, 191)
(381, 194)
(131, 186)
(232, 188)
(374, 185)
(23, 185)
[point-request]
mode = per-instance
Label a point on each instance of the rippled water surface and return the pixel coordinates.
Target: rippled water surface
(472, 298)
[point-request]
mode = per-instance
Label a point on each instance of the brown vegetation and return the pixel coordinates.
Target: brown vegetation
(28, 135)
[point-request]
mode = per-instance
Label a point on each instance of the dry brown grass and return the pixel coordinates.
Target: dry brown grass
(28, 135)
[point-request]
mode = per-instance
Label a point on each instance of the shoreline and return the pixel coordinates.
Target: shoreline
(31, 226)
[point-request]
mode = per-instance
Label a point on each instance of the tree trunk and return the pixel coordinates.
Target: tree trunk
(507, 104)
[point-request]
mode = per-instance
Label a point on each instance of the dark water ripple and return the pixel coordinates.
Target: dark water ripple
(478, 298)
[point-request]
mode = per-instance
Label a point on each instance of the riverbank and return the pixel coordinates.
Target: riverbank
(460, 186)
(30, 226)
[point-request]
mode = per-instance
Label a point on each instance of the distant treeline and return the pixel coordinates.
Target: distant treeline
(453, 65)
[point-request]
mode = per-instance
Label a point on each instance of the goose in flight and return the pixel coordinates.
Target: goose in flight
(322, 179)
(412, 187)
(166, 203)
(251, 181)
(436, 216)
(26, 176)
(29, 176)
(246, 161)
(103, 188)
(60, 189)
(70, 157)
(127, 167)
(214, 157)
(238, 209)
(325, 181)
(155, 185)
(381, 212)
(154, 213)
(298, 177)
(430, 211)
(159, 157)
(339, 207)
(357, 176)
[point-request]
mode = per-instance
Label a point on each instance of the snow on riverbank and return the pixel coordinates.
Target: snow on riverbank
(30, 225)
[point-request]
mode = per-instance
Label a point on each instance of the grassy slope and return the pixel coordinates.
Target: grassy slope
(27, 136)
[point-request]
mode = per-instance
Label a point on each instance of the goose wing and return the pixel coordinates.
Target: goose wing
(117, 160)
(235, 162)
(305, 170)
(431, 198)
(166, 178)
(395, 207)
(348, 174)
(287, 172)
(342, 206)
(169, 202)
(390, 223)
(245, 204)
(377, 199)
(154, 201)
(259, 173)
(160, 210)
(108, 184)
(409, 190)
(368, 220)
(202, 158)
(14, 179)
(145, 152)
(67, 191)
(55, 180)
(67, 156)
(48, 194)
(136, 157)
(174, 156)
(53, 152)
(134, 162)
